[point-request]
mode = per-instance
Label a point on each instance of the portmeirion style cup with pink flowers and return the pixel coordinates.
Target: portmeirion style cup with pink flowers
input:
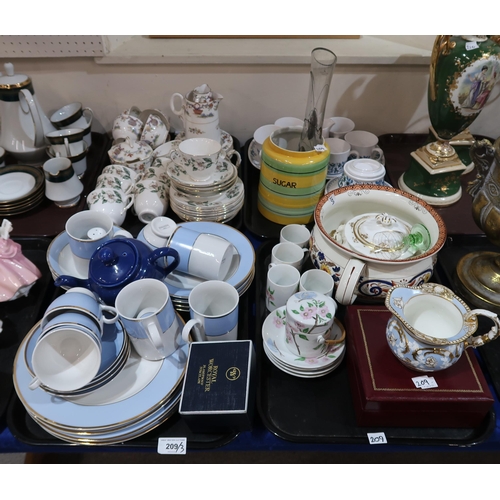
(309, 322)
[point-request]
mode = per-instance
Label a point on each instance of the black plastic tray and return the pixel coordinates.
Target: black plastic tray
(20, 315)
(321, 410)
(26, 430)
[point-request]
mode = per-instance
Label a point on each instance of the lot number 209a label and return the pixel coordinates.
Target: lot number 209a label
(172, 446)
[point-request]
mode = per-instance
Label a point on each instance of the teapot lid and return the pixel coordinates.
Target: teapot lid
(199, 94)
(12, 81)
(114, 262)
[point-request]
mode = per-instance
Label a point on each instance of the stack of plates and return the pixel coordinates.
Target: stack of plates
(217, 199)
(241, 271)
(273, 336)
(143, 395)
(22, 187)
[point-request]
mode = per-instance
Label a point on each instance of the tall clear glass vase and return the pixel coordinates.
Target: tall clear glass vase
(322, 67)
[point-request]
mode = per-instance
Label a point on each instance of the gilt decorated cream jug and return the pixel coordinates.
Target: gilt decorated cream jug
(431, 327)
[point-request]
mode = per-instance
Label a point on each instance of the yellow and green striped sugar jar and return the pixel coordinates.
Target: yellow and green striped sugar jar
(291, 182)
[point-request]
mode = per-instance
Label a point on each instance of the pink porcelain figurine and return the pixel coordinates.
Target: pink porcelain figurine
(17, 273)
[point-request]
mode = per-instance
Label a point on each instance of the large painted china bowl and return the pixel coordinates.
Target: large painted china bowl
(365, 275)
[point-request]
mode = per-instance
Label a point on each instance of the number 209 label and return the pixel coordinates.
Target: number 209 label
(377, 438)
(172, 446)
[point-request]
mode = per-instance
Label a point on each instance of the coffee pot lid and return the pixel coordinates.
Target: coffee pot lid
(10, 80)
(114, 262)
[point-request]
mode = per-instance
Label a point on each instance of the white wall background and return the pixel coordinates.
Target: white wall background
(389, 98)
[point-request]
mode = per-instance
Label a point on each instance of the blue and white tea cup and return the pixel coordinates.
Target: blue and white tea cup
(340, 153)
(213, 307)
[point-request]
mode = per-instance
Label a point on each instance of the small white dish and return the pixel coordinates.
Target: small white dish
(16, 185)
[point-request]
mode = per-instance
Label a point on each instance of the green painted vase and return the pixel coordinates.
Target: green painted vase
(463, 71)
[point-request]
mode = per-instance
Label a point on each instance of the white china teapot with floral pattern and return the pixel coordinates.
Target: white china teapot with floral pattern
(199, 112)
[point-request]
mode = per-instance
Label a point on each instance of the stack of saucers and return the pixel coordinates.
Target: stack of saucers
(274, 343)
(218, 198)
(143, 395)
(22, 187)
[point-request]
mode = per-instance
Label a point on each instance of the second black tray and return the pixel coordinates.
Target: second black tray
(321, 410)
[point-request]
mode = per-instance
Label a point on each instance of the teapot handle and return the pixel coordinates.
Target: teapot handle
(28, 105)
(487, 337)
(164, 252)
(71, 282)
(178, 112)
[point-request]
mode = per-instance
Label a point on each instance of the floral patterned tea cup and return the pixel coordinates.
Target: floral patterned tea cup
(309, 322)
(282, 282)
(114, 182)
(199, 156)
(151, 200)
(127, 125)
(111, 202)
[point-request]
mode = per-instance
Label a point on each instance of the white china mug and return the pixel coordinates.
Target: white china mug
(282, 282)
(149, 318)
(317, 280)
(289, 253)
(295, 233)
(213, 307)
(366, 144)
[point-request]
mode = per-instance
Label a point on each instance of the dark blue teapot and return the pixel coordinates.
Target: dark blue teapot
(119, 262)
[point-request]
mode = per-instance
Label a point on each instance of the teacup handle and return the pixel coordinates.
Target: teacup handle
(353, 155)
(378, 155)
(195, 326)
(112, 310)
(345, 294)
(487, 337)
(153, 332)
(35, 383)
(130, 197)
(66, 145)
(178, 112)
(229, 155)
(90, 112)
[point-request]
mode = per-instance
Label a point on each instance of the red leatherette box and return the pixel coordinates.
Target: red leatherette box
(382, 387)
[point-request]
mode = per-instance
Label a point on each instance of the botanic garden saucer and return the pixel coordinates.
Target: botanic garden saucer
(224, 172)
